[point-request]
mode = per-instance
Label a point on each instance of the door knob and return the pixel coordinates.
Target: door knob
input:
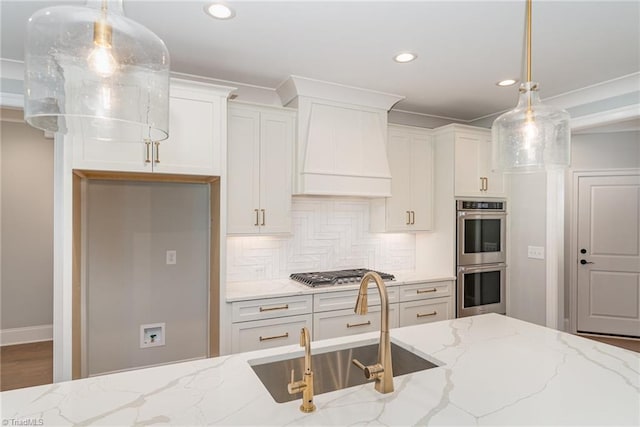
(584, 261)
(583, 251)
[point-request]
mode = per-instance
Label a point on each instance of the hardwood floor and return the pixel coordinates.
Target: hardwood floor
(26, 365)
(629, 344)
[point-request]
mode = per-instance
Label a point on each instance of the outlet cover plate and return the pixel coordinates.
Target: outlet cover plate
(171, 257)
(535, 252)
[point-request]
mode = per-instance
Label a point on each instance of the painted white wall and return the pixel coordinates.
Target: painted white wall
(130, 226)
(527, 209)
(27, 226)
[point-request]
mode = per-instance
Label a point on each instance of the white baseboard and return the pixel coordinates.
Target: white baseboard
(26, 335)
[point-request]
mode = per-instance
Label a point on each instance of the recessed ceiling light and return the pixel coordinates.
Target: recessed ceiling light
(220, 11)
(507, 82)
(405, 57)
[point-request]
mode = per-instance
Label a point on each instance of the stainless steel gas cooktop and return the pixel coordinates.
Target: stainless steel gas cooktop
(333, 278)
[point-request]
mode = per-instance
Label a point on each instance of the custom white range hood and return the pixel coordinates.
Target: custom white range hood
(342, 138)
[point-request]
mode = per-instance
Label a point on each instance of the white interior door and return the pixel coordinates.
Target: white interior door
(608, 261)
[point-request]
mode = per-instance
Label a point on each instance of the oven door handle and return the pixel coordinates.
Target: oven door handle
(483, 267)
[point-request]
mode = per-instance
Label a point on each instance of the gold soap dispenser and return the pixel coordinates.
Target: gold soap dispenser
(305, 385)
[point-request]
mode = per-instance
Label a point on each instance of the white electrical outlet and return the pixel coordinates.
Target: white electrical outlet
(536, 252)
(171, 257)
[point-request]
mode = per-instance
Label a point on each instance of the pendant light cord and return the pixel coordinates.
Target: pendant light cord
(529, 40)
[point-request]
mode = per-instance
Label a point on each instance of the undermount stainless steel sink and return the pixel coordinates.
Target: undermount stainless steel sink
(333, 370)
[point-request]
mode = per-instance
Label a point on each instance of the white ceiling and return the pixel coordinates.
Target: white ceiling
(463, 47)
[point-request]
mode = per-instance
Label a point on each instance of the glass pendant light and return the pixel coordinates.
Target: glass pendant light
(533, 136)
(91, 71)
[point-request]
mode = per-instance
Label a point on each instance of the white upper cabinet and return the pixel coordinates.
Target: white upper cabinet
(197, 129)
(410, 207)
(473, 174)
(259, 156)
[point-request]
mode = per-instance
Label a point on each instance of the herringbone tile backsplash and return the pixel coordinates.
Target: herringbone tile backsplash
(328, 234)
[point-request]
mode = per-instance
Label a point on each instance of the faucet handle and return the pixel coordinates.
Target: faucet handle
(371, 372)
(295, 386)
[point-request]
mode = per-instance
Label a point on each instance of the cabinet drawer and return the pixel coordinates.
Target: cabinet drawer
(418, 312)
(341, 323)
(347, 299)
(268, 308)
(261, 334)
(420, 291)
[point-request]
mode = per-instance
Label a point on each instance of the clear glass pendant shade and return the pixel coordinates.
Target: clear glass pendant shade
(93, 72)
(531, 137)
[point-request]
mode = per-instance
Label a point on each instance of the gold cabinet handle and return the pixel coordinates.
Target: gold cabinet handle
(157, 144)
(426, 291)
(274, 337)
(264, 217)
(408, 218)
(280, 307)
(355, 325)
(147, 144)
(426, 314)
(484, 183)
(257, 215)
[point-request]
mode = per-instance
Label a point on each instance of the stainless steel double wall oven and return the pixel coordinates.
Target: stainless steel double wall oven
(481, 258)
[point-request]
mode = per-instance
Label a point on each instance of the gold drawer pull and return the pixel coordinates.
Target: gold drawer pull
(280, 307)
(426, 314)
(425, 291)
(354, 325)
(275, 337)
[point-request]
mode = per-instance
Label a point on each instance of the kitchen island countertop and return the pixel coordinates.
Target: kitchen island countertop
(495, 371)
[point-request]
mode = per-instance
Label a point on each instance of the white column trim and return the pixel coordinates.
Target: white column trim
(555, 249)
(62, 259)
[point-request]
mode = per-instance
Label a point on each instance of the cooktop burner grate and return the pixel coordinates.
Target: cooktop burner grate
(333, 278)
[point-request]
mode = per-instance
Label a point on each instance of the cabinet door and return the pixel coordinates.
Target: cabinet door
(468, 153)
(110, 156)
(276, 156)
(421, 203)
(340, 323)
(427, 290)
(243, 171)
(427, 311)
(261, 334)
(193, 146)
(398, 207)
(494, 185)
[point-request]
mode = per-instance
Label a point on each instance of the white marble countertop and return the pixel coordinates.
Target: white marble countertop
(495, 371)
(241, 291)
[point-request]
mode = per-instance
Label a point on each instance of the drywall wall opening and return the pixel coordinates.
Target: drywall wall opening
(26, 231)
(128, 228)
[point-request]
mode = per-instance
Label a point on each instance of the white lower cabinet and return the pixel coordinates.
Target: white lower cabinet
(269, 322)
(261, 334)
(340, 300)
(425, 311)
(426, 302)
(340, 323)
(267, 308)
